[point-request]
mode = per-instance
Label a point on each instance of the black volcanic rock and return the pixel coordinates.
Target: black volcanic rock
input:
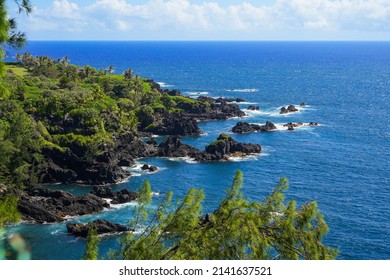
(220, 149)
(67, 167)
(101, 227)
(141, 149)
(172, 147)
(206, 99)
(292, 126)
(289, 109)
(243, 127)
(120, 197)
(145, 167)
(173, 92)
(253, 108)
(153, 168)
(226, 146)
(43, 205)
(175, 124)
(225, 100)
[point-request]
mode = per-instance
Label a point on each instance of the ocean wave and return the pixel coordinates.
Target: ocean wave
(252, 113)
(196, 92)
(304, 126)
(124, 205)
(245, 158)
(139, 231)
(156, 194)
(185, 159)
(162, 84)
(243, 90)
(243, 103)
(126, 180)
(118, 206)
(56, 232)
(136, 170)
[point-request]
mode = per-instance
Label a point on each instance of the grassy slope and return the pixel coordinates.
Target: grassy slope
(20, 71)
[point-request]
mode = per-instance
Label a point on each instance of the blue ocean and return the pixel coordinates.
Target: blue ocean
(343, 163)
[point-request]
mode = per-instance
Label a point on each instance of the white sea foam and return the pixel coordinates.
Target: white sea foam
(196, 92)
(252, 113)
(139, 231)
(162, 84)
(305, 126)
(281, 127)
(55, 232)
(136, 170)
(245, 158)
(185, 159)
(156, 194)
(300, 109)
(126, 180)
(243, 90)
(124, 205)
(243, 103)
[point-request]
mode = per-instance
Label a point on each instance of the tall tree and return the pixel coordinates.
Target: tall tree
(9, 35)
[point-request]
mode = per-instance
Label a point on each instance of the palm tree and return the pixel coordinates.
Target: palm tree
(128, 74)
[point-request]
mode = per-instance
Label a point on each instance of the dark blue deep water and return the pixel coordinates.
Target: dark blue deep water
(343, 164)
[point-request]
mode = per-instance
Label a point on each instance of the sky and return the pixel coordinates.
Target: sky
(285, 20)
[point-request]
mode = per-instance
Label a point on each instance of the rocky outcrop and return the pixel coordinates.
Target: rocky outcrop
(253, 108)
(140, 149)
(67, 167)
(219, 100)
(225, 147)
(222, 100)
(43, 205)
(289, 109)
(292, 126)
(172, 147)
(51, 206)
(120, 197)
(101, 227)
(243, 127)
(208, 110)
(174, 124)
(150, 168)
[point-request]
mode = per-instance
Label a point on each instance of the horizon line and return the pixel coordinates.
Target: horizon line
(203, 40)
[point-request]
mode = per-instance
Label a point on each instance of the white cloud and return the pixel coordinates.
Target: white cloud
(209, 17)
(64, 9)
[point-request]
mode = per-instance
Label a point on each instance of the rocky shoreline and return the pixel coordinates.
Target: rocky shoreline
(70, 166)
(42, 205)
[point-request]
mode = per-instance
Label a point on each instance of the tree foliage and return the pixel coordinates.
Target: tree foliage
(92, 249)
(239, 229)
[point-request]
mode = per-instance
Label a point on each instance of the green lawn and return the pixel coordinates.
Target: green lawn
(20, 71)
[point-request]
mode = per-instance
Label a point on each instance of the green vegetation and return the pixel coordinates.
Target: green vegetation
(92, 250)
(238, 229)
(16, 69)
(50, 104)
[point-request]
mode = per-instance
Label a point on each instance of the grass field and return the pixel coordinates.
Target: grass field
(20, 71)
